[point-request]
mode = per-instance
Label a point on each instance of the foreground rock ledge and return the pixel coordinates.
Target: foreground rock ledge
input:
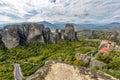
(55, 70)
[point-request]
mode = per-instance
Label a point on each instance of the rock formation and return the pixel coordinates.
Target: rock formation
(62, 34)
(47, 33)
(10, 37)
(90, 61)
(70, 32)
(1, 42)
(35, 33)
(54, 70)
(18, 34)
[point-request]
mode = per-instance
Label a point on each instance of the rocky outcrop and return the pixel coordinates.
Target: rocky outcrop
(90, 61)
(70, 32)
(54, 70)
(47, 33)
(10, 37)
(55, 37)
(23, 30)
(62, 34)
(1, 42)
(35, 33)
(18, 34)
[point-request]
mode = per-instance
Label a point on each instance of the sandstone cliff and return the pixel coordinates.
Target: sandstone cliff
(54, 70)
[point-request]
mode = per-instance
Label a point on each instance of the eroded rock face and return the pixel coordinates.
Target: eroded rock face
(10, 37)
(70, 32)
(62, 34)
(35, 33)
(47, 33)
(55, 37)
(1, 42)
(20, 34)
(23, 30)
(54, 70)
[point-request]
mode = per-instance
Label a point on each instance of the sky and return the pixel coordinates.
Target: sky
(72, 11)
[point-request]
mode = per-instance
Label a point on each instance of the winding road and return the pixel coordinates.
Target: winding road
(17, 72)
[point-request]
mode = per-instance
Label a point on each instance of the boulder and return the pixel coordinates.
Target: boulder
(83, 57)
(10, 37)
(35, 33)
(96, 63)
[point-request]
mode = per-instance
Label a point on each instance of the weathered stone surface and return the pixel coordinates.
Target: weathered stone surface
(96, 63)
(55, 70)
(92, 62)
(23, 30)
(1, 42)
(62, 34)
(10, 36)
(20, 34)
(35, 33)
(46, 34)
(70, 32)
(57, 36)
(83, 57)
(51, 37)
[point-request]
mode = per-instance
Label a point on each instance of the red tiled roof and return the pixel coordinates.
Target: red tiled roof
(104, 50)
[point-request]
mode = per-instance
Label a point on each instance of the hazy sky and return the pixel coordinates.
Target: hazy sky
(75, 11)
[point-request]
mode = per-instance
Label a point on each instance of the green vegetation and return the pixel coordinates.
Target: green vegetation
(113, 63)
(32, 56)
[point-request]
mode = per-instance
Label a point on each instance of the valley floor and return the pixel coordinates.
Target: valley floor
(32, 56)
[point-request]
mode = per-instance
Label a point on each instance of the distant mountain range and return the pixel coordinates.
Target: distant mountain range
(61, 25)
(48, 24)
(114, 24)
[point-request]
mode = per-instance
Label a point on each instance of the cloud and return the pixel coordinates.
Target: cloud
(77, 11)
